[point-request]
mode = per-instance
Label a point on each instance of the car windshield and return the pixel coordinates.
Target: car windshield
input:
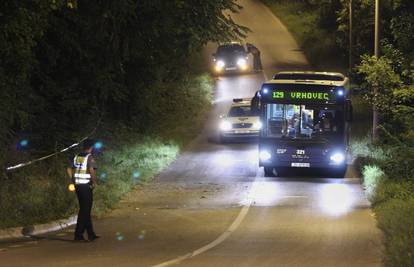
(241, 111)
(303, 121)
(230, 49)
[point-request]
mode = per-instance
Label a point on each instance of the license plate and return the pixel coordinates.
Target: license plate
(241, 131)
(300, 164)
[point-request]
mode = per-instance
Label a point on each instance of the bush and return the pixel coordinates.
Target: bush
(396, 220)
(373, 176)
(127, 158)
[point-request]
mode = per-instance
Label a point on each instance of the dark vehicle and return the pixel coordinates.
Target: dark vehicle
(305, 118)
(230, 57)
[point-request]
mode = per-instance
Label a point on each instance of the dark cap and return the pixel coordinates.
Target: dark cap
(88, 143)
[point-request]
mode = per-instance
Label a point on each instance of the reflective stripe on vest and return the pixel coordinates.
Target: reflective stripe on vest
(81, 174)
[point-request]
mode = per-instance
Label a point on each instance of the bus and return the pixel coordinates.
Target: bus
(305, 121)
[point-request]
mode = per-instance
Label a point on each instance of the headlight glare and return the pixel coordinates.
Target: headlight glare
(220, 64)
(257, 125)
(242, 63)
(337, 157)
(225, 126)
(264, 155)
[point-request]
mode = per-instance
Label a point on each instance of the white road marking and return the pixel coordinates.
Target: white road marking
(233, 227)
(236, 223)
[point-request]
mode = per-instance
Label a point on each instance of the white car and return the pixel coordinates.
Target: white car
(240, 121)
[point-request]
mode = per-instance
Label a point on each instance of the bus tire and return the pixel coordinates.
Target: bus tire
(223, 139)
(340, 173)
(268, 171)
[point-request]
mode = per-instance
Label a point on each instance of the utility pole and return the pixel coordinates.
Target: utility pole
(375, 118)
(350, 35)
(377, 11)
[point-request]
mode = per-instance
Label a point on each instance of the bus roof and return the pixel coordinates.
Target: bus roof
(309, 77)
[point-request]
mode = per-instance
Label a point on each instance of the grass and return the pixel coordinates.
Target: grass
(132, 163)
(392, 201)
(396, 219)
(39, 194)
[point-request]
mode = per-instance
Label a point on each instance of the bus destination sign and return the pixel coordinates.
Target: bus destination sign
(302, 96)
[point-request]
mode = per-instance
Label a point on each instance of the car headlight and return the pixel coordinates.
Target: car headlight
(264, 155)
(257, 125)
(225, 126)
(242, 63)
(337, 157)
(220, 64)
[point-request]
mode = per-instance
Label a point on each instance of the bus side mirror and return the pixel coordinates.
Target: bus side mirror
(348, 110)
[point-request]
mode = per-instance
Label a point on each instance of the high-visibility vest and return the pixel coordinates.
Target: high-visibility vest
(81, 175)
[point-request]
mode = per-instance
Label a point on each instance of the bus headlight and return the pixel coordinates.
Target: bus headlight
(225, 126)
(337, 157)
(264, 155)
(257, 125)
(242, 63)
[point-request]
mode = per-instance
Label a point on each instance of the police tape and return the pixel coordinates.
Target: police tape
(21, 165)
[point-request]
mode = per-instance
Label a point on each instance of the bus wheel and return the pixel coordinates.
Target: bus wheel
(340, 173)
(268, 172)
(223, 139)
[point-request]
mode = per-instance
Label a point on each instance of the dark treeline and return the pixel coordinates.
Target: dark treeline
(396, 26)
(393, 75)
(65, 63)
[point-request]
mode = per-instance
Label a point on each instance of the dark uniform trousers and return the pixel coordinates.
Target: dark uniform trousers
(84, 222)
(257, 62)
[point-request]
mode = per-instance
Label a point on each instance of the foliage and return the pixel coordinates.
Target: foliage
(379, 75)
(396, 219)
(127, 159)
(373, 175)
(64, 64)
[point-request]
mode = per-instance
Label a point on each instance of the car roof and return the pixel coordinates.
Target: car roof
(241, 102)
(230, 43)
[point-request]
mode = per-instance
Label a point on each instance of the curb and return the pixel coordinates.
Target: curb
(27, 231)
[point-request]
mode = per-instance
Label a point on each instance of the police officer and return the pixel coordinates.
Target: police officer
(257, 62)
(82, 172)
(255, 104)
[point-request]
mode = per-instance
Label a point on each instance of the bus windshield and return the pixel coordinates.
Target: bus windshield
(323, 122)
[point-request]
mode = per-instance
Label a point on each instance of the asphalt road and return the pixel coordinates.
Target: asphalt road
(212, 206)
